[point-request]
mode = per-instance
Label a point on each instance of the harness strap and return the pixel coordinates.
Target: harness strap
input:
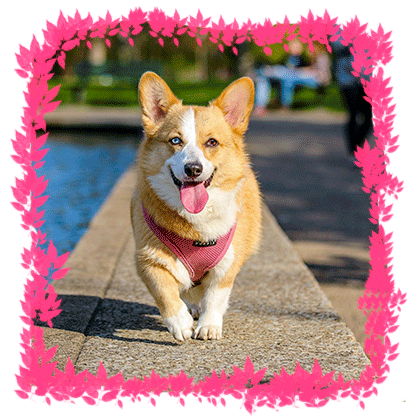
(197, 257)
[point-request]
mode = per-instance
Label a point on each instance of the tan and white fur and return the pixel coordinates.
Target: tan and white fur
(176, 135)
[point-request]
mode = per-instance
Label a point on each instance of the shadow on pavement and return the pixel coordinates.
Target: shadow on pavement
(315, 193)
(108, 318)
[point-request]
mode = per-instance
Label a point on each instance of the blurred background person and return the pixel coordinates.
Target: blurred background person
(359, 124)
(294, 72)
(320, 67)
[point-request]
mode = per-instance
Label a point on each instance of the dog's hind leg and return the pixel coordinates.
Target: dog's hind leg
(193, 309)
(192, 298)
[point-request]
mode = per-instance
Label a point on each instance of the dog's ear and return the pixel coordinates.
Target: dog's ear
(236, 102)
(155, 99)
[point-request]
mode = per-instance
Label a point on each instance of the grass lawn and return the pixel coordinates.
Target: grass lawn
(124, 94)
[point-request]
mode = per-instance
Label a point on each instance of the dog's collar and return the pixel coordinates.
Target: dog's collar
(198, 257)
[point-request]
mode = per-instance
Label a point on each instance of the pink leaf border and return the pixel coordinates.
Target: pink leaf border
(381, 301)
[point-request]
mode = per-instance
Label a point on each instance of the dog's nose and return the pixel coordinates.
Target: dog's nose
(193, 170)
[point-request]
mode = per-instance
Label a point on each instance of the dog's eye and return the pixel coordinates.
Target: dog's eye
(176, 141)
(211, 143)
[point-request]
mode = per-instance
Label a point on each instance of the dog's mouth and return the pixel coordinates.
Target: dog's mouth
(179, 183)
(194, 195)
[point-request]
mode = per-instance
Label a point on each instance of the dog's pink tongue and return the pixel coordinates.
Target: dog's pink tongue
(194, 197)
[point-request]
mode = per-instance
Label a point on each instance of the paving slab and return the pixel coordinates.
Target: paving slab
(278, 314)
(69, 345)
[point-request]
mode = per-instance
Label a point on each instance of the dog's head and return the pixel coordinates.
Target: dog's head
(191, 150)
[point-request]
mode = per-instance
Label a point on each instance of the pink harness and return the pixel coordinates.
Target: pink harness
(198, 257)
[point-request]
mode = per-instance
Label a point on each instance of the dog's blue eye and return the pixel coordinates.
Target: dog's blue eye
(212, 143)
(176, 141)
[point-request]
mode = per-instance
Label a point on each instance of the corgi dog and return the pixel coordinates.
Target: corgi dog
(196, 208)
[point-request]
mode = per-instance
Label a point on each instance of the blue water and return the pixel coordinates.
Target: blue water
(81, 169)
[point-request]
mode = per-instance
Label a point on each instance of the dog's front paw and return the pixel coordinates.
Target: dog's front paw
(208, 332)
(209, 326)
(180, 325)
